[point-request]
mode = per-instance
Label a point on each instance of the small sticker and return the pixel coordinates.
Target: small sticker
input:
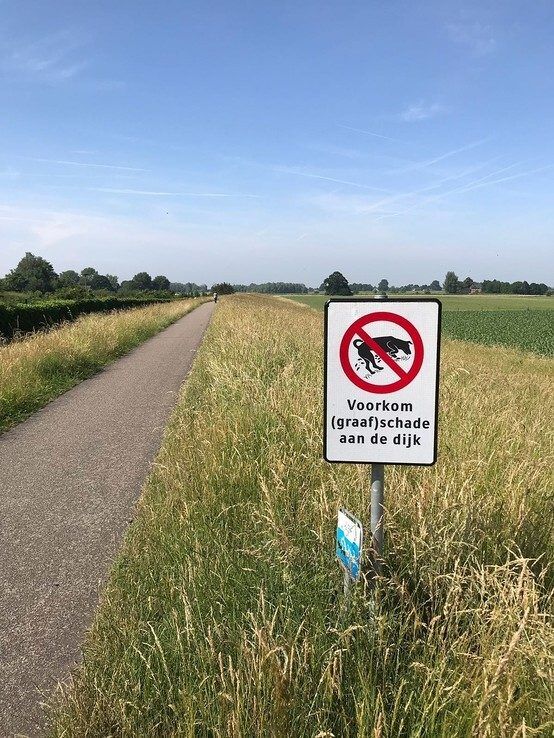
(349, 543)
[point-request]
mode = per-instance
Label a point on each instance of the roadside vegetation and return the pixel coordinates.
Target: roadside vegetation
(37, 368)
(223, 615)
(34, 278)
(33, 296)
(18, 319)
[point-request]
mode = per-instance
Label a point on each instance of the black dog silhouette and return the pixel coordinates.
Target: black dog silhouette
(390, 344)
(366, 355)
(393, 345)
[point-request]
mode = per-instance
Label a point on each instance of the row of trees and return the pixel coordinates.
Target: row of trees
(384, 286)
(188, 288)
(223, 288)
(453, 286)
(275, 288)
(35, 274)
(493, 286)
(337, 284)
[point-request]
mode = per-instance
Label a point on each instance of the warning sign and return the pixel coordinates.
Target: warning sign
(381, 380)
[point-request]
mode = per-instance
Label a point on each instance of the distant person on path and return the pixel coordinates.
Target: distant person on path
(215, 296)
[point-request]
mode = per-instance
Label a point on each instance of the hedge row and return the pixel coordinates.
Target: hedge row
(20, 318)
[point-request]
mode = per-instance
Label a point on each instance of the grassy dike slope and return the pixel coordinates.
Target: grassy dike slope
(222, 614)
(38, 368)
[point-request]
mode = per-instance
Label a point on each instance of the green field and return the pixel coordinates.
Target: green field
(456, 302)
(530, 330)
(526, 323)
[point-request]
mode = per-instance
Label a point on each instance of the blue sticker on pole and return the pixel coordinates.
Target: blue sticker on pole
(349, 543)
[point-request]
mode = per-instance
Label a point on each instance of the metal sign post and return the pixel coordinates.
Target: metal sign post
(381, 390)
(376, 514)
(376, 510)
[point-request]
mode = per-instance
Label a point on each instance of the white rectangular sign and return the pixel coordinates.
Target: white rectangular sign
(381, 381)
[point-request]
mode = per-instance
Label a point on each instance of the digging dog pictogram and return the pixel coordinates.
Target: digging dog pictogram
(359, 349)
(390, 344)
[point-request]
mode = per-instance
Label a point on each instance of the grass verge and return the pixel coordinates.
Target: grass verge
(222, 615)
(37, 368)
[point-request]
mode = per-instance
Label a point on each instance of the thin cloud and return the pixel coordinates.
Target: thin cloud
(358, 205)
(429, 162)
(370, 133)
(84, 164)
(420, 111)
(286, 170)
(412, 193)
(149, 142)
(50, 59)
(158, 193)
(453, 152)
(485, 181)
(336, 151)
(17, 219)
(476, 37)
(107, 85)
(476, 185)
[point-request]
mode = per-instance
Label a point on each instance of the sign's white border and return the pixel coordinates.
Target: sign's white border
(381, 305)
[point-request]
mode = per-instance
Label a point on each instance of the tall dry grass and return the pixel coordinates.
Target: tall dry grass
(37, 368)
(223, 613)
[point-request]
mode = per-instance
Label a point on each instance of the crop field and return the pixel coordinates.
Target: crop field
(37, 368)
(223, 616)
(524, 329)
(455, 302)
(526, 323)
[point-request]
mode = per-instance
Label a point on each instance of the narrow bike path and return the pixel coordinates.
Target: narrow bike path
(69, 478)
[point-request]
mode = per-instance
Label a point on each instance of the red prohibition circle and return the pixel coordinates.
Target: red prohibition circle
(404, 378)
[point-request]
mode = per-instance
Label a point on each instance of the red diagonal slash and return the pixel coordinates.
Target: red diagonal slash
(381, 353)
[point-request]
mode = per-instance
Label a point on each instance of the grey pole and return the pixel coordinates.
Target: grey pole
(377, 511)
(377, 502)
(347, 586)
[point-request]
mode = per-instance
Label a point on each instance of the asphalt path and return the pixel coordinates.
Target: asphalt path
(69, 478)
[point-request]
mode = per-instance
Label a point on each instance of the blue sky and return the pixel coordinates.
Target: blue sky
(265, 141)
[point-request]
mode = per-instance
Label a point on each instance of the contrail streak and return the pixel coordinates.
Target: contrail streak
(475, 185)
(85, 164)
(370, 133)
(285, 170)
(442, 157)
(427, 188)
(156, 193)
